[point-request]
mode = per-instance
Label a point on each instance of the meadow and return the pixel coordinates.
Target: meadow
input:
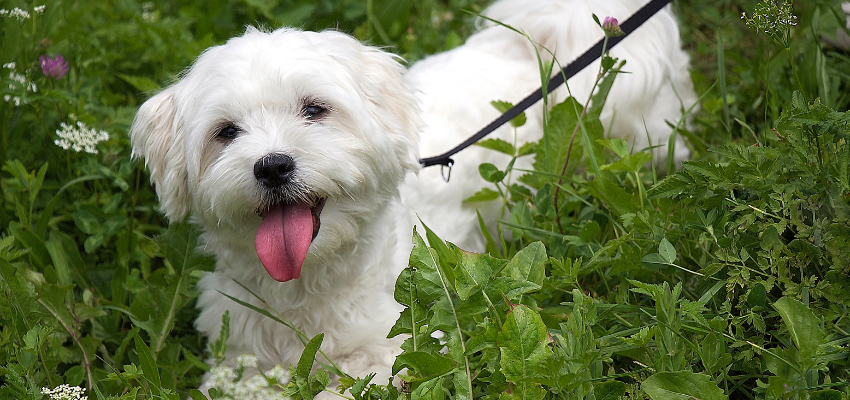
(728, 278)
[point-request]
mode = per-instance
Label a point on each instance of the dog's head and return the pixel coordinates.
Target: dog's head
(273, 134)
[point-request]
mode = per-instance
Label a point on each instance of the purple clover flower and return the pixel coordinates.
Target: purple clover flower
(612, 27)
(55, 67)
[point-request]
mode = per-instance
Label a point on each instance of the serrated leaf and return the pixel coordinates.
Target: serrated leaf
(502, 146)
(528, 264)
(476, 273)
(523, 342)
(430, 390)
(614, 196)
(308, 356)
(526, 149)
(757, 296)
(629, 163)
(684, 385)
(503, 107)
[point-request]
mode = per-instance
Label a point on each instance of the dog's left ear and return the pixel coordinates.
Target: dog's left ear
(155, 136)
(393, 103)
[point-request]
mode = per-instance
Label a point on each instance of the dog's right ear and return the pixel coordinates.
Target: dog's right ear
(155, 137)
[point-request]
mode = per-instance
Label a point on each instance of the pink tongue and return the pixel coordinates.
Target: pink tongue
(283, 239)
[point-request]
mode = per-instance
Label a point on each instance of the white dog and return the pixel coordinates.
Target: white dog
(296, 153)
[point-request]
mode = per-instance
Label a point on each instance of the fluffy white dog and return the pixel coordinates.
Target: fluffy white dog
(296, 153)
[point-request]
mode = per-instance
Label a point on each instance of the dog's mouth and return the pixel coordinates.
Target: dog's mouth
(285, 235)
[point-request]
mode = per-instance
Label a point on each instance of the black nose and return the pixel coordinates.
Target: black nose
(274, 170)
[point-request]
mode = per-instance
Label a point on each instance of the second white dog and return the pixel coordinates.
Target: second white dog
(296, 153)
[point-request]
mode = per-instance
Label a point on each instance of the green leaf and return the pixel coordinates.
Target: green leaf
(87, 222)
(610, 390)
(502, 146)
(148, 362)
(308, 356)
(617, 145)
(490, 173)
(630, 163)
(523, 342)
(503, 107)
(196, 394)
(614, 196)
(803, 326)
(425, 365)
(141, 83)
(589, 231)
(528, 264)
(757, 296)
(827, 394)
(667, 251)
(684, 385)
(485, 194)
(476, 273)
(430, 390)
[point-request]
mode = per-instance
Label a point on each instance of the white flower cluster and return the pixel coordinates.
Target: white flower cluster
(65, 392)
(21, 79)
(17, 82)
(16, 13)
(79, 137)
(148, 13)
(39, 9)
(232, 383)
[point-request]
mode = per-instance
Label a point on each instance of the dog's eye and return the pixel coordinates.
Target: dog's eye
(313, 112)
(228, 133)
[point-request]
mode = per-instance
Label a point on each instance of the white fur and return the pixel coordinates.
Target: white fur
(363, 151)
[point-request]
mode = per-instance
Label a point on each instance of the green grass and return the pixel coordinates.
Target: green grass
(726, 278)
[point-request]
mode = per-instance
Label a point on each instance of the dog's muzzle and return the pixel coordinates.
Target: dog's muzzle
(290, 221)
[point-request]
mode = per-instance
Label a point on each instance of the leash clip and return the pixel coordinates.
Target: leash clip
(447, 166)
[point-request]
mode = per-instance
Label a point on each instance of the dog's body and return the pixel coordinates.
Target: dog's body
(289, 150)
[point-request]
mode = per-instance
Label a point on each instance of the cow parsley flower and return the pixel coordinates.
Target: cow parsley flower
(65, 392)
(16, 13)
(233, 384)
(80, 137)
(39, 9)
(246, 361)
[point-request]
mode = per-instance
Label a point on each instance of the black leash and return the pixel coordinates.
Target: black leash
(634, 22)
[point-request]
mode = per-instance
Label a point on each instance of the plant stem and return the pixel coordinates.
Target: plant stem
(599, 76)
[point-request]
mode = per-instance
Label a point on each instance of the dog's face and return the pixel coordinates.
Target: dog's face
(272, 136)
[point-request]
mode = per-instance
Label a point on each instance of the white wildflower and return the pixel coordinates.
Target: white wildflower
(248, 386)
(148, 13)
(278, 375)
(65, 392)
(17, 77)
(16, 13)
(39, 9)
(246, 361)
(79, 138)
(10, 65)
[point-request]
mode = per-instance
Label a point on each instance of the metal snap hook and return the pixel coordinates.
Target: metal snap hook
(446, 170)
